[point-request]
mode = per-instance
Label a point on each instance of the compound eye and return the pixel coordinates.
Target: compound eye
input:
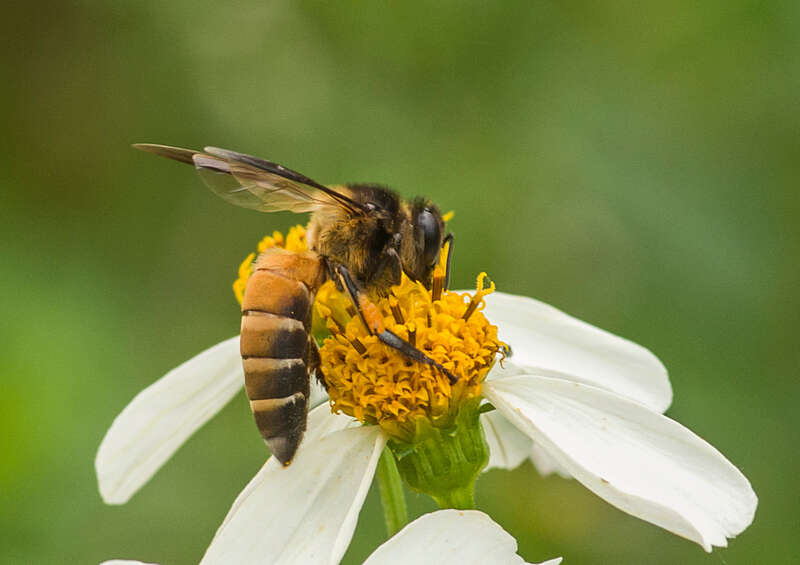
(431, 236)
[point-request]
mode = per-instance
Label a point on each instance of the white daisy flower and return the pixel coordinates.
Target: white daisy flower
(577, 400)
(457, 537)
(588, 400)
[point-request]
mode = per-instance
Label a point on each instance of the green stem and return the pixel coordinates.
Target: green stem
(392, 495)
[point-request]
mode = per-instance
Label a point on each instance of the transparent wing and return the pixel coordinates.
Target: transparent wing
(250, 182)
(244, 185)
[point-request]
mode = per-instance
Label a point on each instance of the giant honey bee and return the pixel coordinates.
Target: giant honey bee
(363, 236)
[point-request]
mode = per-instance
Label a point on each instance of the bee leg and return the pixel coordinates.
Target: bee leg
(448, 239)
(396, 342)
(373, 320)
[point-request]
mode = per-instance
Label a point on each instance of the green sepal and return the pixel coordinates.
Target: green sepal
(488, 407)
(445, 462)
(393, 498)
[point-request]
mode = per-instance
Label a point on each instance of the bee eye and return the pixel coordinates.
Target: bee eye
(431, 236)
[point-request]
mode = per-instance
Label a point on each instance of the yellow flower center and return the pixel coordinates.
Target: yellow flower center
(376, 384)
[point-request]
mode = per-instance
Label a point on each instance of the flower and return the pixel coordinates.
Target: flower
(439, 538)
(576, 400)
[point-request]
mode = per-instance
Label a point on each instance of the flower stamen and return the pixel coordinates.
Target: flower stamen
(358, 346)
(334, 326)
(477, 298)
(396, 312)
(438, 286)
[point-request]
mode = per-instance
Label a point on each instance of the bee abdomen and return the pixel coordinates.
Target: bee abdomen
(273, 293)
(273, 378)
(276, 315)
(268, 335)
(285, 419)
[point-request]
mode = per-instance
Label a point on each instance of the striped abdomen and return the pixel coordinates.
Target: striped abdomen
(275, 341)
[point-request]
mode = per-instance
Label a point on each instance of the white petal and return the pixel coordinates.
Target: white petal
(545, 464)
(462, 537)
(638, 460)
(321, 422)
(161, 417)
(304, 513)
(542, 336)
(506, 369)
(508, 447)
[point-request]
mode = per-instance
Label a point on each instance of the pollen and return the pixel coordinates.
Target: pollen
(377, 385)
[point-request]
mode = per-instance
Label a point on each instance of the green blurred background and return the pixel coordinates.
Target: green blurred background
(635, 166)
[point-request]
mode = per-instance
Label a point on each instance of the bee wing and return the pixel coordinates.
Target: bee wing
(258, 184)
(246, 186)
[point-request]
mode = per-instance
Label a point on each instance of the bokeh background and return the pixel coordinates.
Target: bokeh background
(636, 166)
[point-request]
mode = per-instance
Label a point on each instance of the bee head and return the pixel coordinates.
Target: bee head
(421, 241)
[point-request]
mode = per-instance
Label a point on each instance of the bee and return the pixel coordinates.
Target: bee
(363, 236)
